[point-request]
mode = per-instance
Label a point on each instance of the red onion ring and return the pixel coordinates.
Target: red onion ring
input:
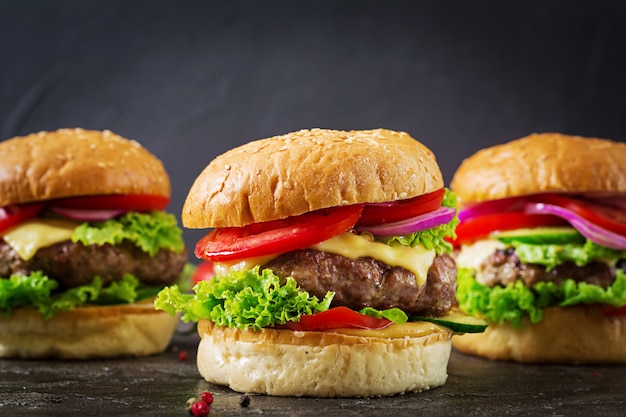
(415, 224)
(490, 207)
(86, 215)
(591, 231)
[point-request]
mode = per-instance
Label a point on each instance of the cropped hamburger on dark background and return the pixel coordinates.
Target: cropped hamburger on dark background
(542, 249)
(84, 246)
(331, 265)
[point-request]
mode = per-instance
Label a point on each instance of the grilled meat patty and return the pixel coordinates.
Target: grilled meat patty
(366, 282)
(504, 267)
(73, 264)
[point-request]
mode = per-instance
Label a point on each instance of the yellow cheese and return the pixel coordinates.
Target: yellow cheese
(222, 268)
(417, 260)
(395, 331)
(471, 256)
(28, 237)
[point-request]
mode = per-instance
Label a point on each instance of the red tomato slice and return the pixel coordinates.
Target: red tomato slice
(393, 211)
(482, 226)
(614, 311)
(17, 213)
(610, 218)
(278, 236)
(136, 202)
(203, 272)
(337, 318)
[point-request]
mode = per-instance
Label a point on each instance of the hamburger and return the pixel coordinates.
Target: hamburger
(329, 256)
(541, 249)
(85, 246)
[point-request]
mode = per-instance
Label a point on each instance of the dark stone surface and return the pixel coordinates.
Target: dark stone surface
(160, 386)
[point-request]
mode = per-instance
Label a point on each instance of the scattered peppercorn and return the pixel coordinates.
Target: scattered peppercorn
(200, 409)
(182, 355)
(244, 400)
(207, 397)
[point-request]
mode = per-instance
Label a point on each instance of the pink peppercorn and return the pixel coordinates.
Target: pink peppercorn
(200, 409)
(207, 397)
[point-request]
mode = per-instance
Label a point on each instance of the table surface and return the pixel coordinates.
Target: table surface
(160, 386)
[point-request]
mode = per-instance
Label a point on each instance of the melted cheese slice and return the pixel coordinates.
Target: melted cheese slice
(472, 256)
(417, 260)
(30, 236)
(222, 268)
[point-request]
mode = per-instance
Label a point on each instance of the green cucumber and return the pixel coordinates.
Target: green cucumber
(457, 321)
(541, 235)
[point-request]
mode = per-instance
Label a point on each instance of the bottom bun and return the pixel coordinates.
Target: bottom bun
(569, 335)
(323, 364)
(87, 332)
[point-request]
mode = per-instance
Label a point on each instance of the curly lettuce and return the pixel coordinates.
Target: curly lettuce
(516, 301)
(243, 299)
(38, 291)
(551, 255)
(148, 231)
(435, 238)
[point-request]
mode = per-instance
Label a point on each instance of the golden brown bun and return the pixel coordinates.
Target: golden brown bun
(302, 171)
(546, 162)
(75, 162)
(321, 364)
(575, 335)
(87, 332)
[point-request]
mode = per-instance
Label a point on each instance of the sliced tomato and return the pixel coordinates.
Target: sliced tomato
(610, 218)
(614, 311)
(17, 213)
(482, 226)
(393, 211)
(278, 236)
(337, 318)
(136, 202)
(203, 272)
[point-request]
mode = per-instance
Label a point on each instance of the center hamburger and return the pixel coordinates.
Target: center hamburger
(332, 270)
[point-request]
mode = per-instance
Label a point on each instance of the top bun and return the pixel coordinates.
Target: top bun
(539, 163)
(307, 170)
(77, 162)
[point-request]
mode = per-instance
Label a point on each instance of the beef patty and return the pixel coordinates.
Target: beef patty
(504, 266)
(73, 264)
(367, 282)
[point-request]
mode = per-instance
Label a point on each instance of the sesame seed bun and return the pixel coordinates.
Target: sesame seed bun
(542, 162)
(77, 162)
(298, 172)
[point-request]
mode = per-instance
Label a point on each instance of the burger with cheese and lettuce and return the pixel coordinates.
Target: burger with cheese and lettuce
(85, 246)
(331, 265)
(542, 249)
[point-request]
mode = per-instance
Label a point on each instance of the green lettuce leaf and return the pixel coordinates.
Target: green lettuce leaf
(515, 301)
(149, 231)
(38, 291)
(393, 314)
(550, 255)
(243, 299)
(431, 239)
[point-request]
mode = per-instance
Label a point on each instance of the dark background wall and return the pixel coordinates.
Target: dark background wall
(190, 79)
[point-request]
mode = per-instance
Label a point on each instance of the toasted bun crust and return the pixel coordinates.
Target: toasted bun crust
(574, 335)
(75, 162)
(302, 171)
(546, 162)
(87, 332)
(321, 364)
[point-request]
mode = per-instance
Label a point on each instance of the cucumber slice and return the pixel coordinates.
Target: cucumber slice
(457, 321)
(541, 235)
